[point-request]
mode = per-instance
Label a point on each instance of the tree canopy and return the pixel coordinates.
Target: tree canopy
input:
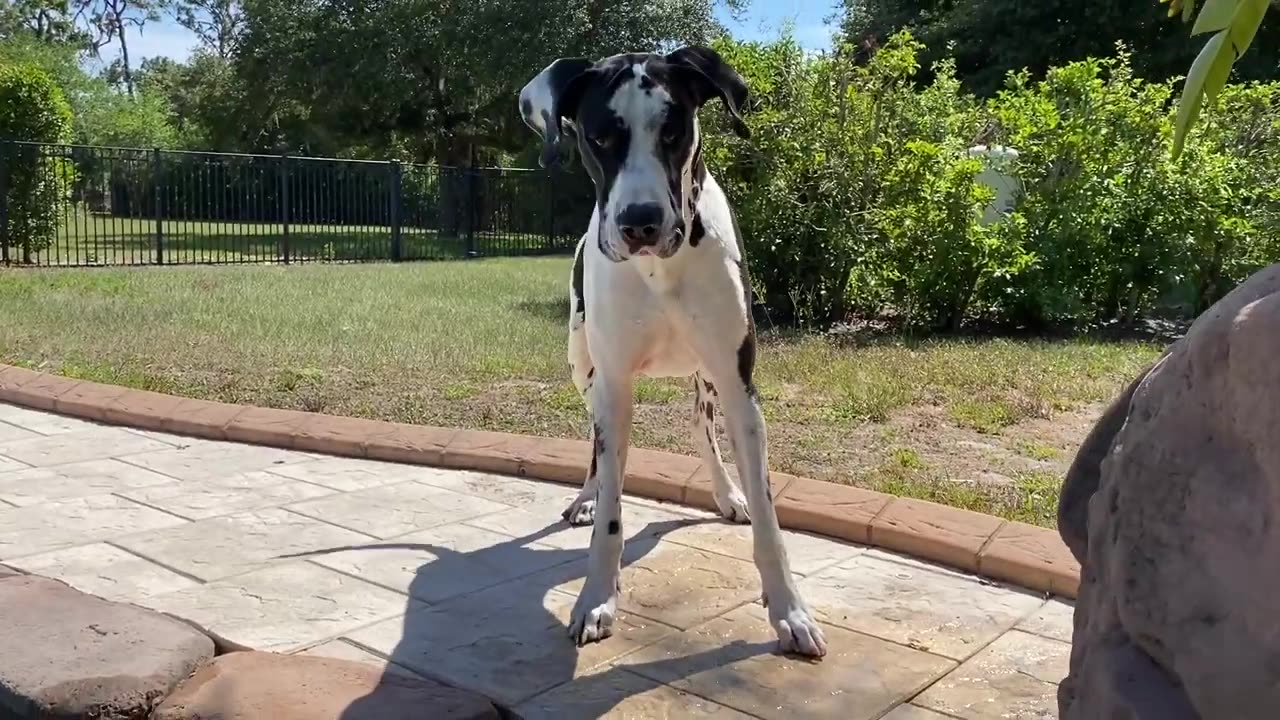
(989, 38)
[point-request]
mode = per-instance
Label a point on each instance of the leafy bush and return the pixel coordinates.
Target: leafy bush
(33, 109)
(856, 193)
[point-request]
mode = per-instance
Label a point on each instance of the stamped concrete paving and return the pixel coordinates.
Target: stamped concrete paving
(469, 578)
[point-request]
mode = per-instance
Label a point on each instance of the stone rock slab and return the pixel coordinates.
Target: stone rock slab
(66, 655)
(1176, 612)
(255, 685)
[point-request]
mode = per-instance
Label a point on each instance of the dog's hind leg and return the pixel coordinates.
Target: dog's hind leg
(583, 508)
(729, 498)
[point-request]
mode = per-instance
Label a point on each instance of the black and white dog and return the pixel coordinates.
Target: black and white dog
(660, 288)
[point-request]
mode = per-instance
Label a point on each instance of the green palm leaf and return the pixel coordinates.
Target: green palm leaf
(1235, 23)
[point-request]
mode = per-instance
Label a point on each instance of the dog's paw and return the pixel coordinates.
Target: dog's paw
(581, 512)
(733, 506)
(797, 631)
(593, 616)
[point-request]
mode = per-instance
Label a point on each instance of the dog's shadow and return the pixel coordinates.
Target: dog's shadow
(505, 642)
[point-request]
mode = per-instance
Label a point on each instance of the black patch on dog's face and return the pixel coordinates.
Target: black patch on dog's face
(697, 232)
(614, 527)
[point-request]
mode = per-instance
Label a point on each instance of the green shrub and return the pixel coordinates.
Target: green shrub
(856, 194)
(33, 109)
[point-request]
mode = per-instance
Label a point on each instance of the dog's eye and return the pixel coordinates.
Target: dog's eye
(669, 137)
(604, 140)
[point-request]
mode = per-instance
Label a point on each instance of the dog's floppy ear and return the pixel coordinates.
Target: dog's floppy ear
(711, 76)
(551, 95)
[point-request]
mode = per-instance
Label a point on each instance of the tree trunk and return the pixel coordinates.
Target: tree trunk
(124, 56)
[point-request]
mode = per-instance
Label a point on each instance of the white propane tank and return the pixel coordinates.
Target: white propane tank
(995, 175)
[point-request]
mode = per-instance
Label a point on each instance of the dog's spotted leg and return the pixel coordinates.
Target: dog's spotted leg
(729, 499)
(788, 613)
(596, 608)
(582, 510)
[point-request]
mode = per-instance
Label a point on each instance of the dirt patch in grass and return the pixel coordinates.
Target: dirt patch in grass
(988, 424)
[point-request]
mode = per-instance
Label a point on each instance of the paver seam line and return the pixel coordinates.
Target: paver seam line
(142, 433)
(25, 466)
(974, 654)
(947, 715)
(16, 426)
(145, 504)
(1040, 635)
(176, 571)
(451, 598)
(858, 550)
(924, 686)
(613, 666)
(990, 538)
(381, 656)
(37, 390)
(459, 491)
(340, 526)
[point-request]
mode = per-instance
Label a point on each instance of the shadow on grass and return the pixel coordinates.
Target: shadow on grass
(555, 309)
(506, 634)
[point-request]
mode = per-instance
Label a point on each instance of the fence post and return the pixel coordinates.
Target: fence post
(284, 207)
(472, 211)
(4, 202)
(397, 250)
(155, 204)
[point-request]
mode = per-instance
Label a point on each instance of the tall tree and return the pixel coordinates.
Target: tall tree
(218, 24)
(51, 21)
(988, 38)
(109, 21)
(438, 76)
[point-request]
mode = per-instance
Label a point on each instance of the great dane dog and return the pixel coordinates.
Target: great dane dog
(660, 288)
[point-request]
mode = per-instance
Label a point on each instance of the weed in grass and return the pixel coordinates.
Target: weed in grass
(650, 391)
(293, 379)
(1038, 451)
(459, 391)
(868, 403)
(1036, 498)
(985, 416)
(908, 458)
(564, 398)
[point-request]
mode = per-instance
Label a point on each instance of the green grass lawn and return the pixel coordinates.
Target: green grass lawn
(986, 424)
(92, 239)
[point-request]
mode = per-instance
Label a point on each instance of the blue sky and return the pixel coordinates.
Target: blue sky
(763, 18)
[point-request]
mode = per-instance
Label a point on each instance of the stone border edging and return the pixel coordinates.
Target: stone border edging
(1025, 555)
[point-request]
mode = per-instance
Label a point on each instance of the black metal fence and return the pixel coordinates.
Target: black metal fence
(78, 205)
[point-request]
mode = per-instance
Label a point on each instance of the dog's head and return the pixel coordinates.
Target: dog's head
(634, 119)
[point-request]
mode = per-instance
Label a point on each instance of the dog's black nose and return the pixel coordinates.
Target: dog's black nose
(639, 224)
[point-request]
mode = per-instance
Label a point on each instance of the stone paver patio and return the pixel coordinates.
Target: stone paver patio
(468, 578)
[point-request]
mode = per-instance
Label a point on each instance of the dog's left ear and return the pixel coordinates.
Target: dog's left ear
(711, 76)
(550, 96)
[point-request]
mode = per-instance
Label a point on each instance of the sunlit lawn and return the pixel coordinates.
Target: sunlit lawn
(987, 424)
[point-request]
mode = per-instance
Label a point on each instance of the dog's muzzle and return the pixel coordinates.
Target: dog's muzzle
(641, 227)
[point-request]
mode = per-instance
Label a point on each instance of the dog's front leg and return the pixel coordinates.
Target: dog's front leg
(597, 605)
(788, 613)
(731, 361)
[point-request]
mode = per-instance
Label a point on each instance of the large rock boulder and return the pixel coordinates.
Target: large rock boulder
(68, 655)
(266, 686)
(1178, 617)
